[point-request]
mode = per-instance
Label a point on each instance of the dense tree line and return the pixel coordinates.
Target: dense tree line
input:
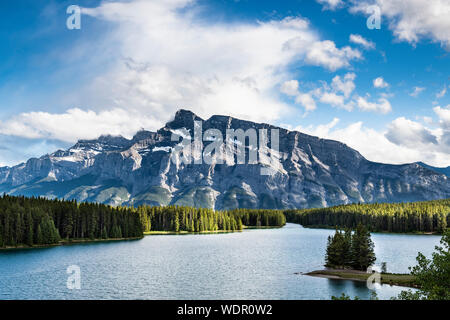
(427, 216)
(349, 249)
(173, 218)
(261, 217)
(40, 221)
(176, 219)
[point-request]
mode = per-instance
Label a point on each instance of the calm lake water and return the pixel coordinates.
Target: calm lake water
(254, 264)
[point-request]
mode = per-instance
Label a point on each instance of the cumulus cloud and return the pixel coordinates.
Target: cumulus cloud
(413, 20)
(290, 88)
(346, 85)
(358, 39)
(327, 55)
(380, 83)
(307, 101)
(409, 133)
(382, 106)
(444, 116)
(338, 93)
(335, 94)
(75, 124)
(161, 57)
(331, 4)
(332, 99)
(417, 90)
(381, 148)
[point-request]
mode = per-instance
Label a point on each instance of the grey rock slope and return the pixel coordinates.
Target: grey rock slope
(314, 173)
(445, 171)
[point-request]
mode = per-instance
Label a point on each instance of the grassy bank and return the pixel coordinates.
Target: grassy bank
(404, 280)
(262, 227)
(158, 233)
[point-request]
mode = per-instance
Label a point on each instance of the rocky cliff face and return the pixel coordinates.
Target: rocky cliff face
(313, 172)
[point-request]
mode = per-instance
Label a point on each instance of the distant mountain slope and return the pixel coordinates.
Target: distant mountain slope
(314, 173)
(445, 171)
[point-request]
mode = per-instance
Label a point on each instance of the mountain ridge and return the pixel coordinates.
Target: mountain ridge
(314, 172)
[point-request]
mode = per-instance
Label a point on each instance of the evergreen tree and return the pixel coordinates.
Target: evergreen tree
(363, 255)
(39, 236)
(335, 252)
(104, 233)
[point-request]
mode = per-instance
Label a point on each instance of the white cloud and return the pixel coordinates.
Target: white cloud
(358, 39)
(290, 88)
(331, 4)
(162, 58)
(332, 98)
(416, 91)
(441, 93)
(383, 105)
(75, 124)
(327, 55)
(337, 94)
(307, 101)
(380, 83)
(334, 95)
(444, 116)
(409, 133)
(413, 20)
(345, 86)
(321, 130)
(375, 146)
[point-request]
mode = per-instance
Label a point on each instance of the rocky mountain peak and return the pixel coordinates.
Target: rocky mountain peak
(183, 119)
(313, 172)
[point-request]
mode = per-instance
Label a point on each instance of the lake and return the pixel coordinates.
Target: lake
(253, 264)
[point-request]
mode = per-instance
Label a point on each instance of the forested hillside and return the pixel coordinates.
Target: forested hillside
(38, 221)
(427, 216)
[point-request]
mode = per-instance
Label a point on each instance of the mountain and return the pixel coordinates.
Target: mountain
(313, 172)
(445, 171)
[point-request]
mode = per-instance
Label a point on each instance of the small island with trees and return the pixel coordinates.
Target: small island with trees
(349, 255)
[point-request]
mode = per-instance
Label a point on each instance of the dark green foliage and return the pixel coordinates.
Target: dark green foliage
(47, 232)
(343, 296)
(432, 275)
(383, 267)
(28, 221)
(347, 250)
(363, 255)
(41, 221)
(427, 216)
(335, 254)
(260, 217)
(174, 218)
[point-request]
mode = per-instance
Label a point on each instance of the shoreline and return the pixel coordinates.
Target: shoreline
(416, 233)
(151, 233)
(393, 279)
(66, 243)
(181, 233)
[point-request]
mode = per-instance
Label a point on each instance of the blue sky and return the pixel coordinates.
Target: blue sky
(305, 65)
